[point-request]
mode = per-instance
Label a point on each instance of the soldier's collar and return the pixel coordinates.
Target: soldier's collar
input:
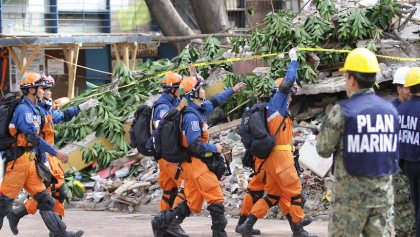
(362, 91)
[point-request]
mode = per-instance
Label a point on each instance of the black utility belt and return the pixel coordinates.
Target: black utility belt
(14, 153)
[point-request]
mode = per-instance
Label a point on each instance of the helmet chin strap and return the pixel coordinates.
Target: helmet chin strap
(35, 94)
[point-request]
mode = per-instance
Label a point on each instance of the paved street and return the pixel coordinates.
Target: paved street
(109, 224)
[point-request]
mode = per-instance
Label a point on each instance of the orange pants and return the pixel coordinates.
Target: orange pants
(168, 182)
(31, 204)
(255, 190)
(23, 175)
(200, 184)
(283, 187)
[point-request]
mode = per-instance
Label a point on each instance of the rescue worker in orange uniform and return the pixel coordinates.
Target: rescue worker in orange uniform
(255, 188)
(52, 117)
(255, 191)
(28, 158)
(200, 183)
(283, 186)
(170, 176)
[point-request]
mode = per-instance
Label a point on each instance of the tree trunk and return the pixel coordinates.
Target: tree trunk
(170, 22)
(211, 15)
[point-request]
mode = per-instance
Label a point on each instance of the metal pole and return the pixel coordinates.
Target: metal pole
(54, 16)
(107, 18)
(1, 16)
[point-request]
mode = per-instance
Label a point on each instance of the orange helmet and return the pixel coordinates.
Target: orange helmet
(58, 103)
(171, 80)
(49, 82)
(31, 80)
(190, 85)
(278, 82)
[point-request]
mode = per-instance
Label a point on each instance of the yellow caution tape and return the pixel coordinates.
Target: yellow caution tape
(347, 51)
(230, 60)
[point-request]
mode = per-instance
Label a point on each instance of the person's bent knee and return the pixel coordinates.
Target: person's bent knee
(45, 201)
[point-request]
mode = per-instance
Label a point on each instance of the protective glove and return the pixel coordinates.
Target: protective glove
(293, 54)
(88, 104)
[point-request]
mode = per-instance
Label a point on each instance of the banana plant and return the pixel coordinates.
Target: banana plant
(101, 155)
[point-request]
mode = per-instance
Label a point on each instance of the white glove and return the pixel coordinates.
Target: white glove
(293, 54)
(88, 104)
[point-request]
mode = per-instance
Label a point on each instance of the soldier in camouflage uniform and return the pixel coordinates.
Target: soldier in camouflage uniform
(403, 207)
(363, 192)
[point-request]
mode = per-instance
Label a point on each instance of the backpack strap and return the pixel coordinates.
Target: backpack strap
(281, 124)
(257, 171)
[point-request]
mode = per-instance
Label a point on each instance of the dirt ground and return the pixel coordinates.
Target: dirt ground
(110, 224)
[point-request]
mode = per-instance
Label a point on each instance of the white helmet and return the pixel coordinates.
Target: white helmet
(399, 76)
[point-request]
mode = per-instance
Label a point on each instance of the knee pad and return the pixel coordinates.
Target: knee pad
(45, 201)
(267, 198)
(256, 195)
(60, 194)
(216, 208)
(6, 205)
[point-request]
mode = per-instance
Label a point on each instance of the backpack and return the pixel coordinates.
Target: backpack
(7, 107)
(141, 128)
(166, 138)
(254, 132)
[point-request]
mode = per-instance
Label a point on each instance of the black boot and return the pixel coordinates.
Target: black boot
(160, 223)
(246, 228)
(168, 222)
(6, 205)
(297, 229)
(241, 220)
(14, 217)
(56, 226)
(307, 220)
(179, 215)
(218, 219)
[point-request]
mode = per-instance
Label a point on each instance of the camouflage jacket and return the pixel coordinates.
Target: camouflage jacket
(368, 192)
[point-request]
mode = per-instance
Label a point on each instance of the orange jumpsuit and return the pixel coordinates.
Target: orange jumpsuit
(31, 204)
(283, 185)
(255, 187)
(200, 183)
(169, 182)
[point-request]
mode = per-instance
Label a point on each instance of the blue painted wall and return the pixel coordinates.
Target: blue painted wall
(99, 59)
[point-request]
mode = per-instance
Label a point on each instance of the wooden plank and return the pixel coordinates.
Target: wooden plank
(126, 159)
(221, 127)
(34, 53)
(133, 62)
(15, 57)
(23, 55)
(70, 88)
(72, 54)
(126, 53)
(117, 54)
